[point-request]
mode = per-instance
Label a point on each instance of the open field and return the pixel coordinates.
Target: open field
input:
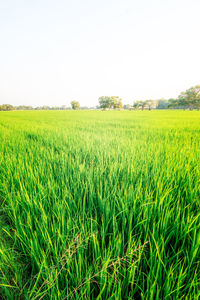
(100, 205)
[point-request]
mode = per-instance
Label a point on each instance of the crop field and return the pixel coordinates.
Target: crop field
(100, 205)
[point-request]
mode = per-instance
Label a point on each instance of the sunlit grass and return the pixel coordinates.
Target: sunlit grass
(100, 205)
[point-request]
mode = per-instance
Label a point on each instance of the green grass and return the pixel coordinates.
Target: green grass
(100, 205)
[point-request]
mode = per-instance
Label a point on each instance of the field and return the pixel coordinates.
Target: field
(100, 205)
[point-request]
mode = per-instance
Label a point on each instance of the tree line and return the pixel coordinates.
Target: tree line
(189, 99)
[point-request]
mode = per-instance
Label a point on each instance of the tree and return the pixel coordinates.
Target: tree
(116, 102)
(45, 107)
(110, 102)
(127, 106)
(75, 105)
(150, 104)
(173, 103)
(105, 102)
(120, 104)
(190, 98)
(142, 104)
(162, 104)
(136, 105)
(6, 107)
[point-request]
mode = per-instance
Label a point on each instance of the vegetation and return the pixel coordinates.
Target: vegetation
(99, 205)
(190, 99)
(6, 107)
(113, 102)
(75, 105)
(144, 104)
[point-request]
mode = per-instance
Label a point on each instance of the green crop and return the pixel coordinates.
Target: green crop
(100, 205)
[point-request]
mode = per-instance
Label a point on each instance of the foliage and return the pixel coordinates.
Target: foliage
(136, 104)
(110, 102)
(144, 104)
(6, 107)
(150, 104)
(173, 103)
(127, 106)
(190, 98)
(99, 204)
(75, 105)
(162, 104)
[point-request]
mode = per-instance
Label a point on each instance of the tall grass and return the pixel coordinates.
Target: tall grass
(100, 205)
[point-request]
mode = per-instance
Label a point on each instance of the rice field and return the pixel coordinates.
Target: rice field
(100, 205)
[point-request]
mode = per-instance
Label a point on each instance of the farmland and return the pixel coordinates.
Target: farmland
(100, 204)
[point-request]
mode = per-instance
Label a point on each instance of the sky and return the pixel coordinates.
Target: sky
(53, 52)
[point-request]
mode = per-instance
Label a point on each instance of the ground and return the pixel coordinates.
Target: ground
(99, 204)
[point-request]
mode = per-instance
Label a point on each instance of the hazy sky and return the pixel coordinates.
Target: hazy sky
(52, 52)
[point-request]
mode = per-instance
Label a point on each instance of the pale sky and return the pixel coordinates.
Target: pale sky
(52, 52)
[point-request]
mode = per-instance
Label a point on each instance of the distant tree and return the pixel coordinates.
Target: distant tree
(105, 102)
(7, 107)
(24, 107)
(142, 104)
(136, 105)
(45, 107)
(116, 102)
(110, 102)
(162, 104)
(173, 103)
(150, 104)
(190, 98)
(120, 104)
(127, 106)
(29, 107)
(197, 104)
(75, 105)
